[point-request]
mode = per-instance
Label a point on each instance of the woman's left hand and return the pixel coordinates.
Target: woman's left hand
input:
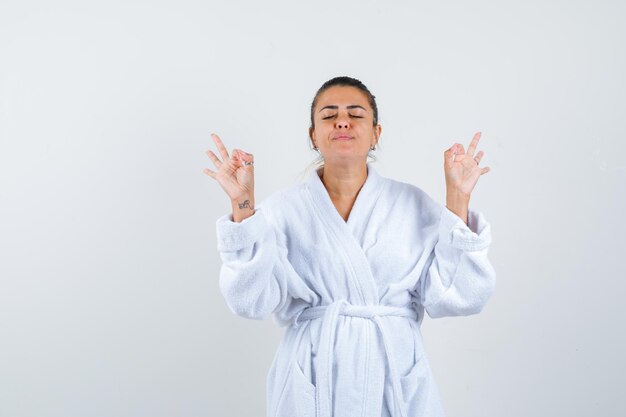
(461, 168)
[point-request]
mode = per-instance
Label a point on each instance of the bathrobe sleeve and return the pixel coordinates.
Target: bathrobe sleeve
(253, 276)
(458, 279)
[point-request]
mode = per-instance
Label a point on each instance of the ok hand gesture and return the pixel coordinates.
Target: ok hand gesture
(233, 174)
(461, 168)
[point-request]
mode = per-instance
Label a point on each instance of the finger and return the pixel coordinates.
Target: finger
(238, 157)
(458, 153)
(214, 158)
(473, 144)
(248, 156)
(245, 156)
(484, 170)
(220, 147)
(478, 157)
(449, 153)
(208, 172)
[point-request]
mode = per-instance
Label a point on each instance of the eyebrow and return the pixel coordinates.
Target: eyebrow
(352, 106)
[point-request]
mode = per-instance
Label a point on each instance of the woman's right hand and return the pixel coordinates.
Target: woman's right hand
(235, 178)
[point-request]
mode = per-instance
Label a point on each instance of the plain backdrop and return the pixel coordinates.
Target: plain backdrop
(109, 297)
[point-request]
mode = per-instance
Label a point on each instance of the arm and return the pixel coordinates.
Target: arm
(458, 278)
(253, 278)
(255, 270)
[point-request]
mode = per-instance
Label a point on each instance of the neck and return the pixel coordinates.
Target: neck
(343, 181)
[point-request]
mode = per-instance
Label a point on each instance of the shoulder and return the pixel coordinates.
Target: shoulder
(411, 195)
(282, 197)
(282, 204)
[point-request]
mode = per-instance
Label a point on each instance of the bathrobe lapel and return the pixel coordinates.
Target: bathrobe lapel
(346, 232)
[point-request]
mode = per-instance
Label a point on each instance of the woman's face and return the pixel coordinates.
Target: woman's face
(344, 125)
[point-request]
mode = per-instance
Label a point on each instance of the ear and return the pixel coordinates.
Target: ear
(378, 129)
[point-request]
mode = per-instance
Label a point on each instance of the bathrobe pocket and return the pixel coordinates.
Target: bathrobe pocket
(298, 396)
(414, 383)
(420, 392)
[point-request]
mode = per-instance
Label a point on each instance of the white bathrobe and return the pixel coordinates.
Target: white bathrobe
(352, 295)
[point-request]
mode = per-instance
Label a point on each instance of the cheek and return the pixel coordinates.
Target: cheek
(324, 129)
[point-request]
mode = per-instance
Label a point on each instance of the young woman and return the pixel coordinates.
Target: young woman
(348, 261)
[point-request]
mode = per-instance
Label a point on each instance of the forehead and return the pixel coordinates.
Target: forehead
(342, 96)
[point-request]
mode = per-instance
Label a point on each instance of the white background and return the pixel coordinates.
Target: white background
(109, 298)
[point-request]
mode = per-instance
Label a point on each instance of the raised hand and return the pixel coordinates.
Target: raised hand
(235, 177)
(461, 168)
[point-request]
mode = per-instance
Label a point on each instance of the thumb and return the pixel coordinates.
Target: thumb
(449, 154)
(245, 156)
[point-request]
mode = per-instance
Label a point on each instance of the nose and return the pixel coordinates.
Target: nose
(342, 122)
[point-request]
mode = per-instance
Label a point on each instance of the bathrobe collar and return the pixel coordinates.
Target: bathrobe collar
(366, 197)
(349, 233)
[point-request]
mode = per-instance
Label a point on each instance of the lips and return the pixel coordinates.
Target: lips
(343, 137)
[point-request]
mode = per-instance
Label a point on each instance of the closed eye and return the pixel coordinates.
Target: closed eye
(351, 115)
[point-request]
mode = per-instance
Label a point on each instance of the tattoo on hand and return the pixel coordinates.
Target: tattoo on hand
(244, 204)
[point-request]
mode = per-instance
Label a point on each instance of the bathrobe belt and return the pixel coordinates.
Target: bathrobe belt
(330, 315)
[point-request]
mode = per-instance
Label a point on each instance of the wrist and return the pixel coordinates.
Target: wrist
(458, 203)
(457, 198)
(243, 208)
(242, 198)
